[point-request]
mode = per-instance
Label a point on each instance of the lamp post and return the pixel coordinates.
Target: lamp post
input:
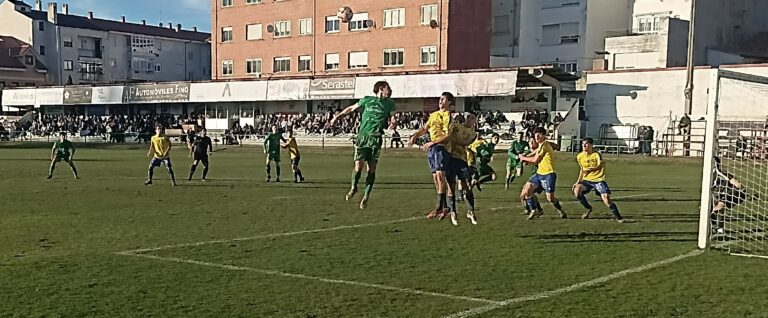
(690, 65)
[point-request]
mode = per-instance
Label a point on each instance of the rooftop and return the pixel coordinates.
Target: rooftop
(10, 50)
(83, 22)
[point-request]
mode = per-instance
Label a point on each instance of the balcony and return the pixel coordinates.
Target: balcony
(630, 32)
(89, 53)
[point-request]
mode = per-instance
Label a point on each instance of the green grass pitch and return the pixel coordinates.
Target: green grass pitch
(108, 246)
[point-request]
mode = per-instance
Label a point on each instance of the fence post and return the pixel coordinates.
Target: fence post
(323, 142)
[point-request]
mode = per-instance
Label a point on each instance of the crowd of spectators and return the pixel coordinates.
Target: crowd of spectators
(115, 128)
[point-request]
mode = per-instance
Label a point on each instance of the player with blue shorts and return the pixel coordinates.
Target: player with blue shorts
(437, 150)
(545, 177)
(592, 177)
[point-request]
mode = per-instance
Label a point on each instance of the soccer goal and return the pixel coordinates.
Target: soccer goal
(734, 211)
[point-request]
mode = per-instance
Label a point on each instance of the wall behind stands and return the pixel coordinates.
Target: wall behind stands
(652, 97)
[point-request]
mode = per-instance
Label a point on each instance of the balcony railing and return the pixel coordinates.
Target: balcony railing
(629, 32)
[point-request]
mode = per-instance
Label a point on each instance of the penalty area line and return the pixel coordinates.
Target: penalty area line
(574, 287)
(267, 236)
(314, 278)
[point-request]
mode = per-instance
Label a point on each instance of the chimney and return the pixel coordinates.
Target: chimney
(39, 5)
(65, 9)
(178, 27)
(52, 13)
(161, 24)
(122, 18)
(170, 25)
(90, 15)
(194, 29)
(143, 22)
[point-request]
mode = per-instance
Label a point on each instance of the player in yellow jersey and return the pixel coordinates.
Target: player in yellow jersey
(462, 133)
(437, 151)
(545, 177)
(592, 177)
(293, 148)
(534, 145)
(160, 151)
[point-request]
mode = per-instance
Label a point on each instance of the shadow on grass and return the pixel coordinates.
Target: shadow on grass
(49, 160)
(632, 237)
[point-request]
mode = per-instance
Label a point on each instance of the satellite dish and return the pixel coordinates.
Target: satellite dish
(270, 28)
(370, 24)
(433, 24)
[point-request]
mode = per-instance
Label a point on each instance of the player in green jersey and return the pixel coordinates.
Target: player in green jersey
(514, 165)
(272, 144)
(62, 150)
(484, 158)
(377, 111)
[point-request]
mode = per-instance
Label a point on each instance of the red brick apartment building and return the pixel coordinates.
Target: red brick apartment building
(307, 39)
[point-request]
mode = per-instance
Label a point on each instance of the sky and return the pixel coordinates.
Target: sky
(187, 12)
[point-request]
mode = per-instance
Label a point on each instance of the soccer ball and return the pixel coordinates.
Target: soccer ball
(344, 14)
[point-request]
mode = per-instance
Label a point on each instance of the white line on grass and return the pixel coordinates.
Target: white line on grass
(319, 279)
(266, 236)
(570, 202)
(574, 287)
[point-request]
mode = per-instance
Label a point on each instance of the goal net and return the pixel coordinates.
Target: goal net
(734, 211)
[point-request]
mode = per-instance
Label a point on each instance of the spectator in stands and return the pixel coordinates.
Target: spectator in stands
(397, 141)
(646, 140)
(557, 120)
(684, 126)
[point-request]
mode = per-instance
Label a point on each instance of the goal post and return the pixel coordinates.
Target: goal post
(733, 212)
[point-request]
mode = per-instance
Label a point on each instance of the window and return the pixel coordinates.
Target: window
(253, 66)
(253, 32)
(282, 28)
(282, 64)
(428, 13)
(359, 22)
(648, 24)
(252, 1)
(332, 24)
(567, 66)
(358, 60)
(143, 44)
(332, 61)
(394, 18)
(428, 55)
(305, 63)
(550, 34)
(550, 4)
(226, 3)
(500, 24)
(29, 60)
(69, 65)
(158, 68)
(90, 71)
(42, 50)
(305, 26)
(569, 33)
(227, 68)
(226, 34)
(41, 26)
(67, 41)
(393, 57)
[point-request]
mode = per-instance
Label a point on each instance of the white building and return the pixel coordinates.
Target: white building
(727, 32)
(86, 50)
(565, 33)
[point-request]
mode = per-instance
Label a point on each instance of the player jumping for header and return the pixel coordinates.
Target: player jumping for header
(376, 113)
(592, 177)
(437, 151)
(62, 150)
